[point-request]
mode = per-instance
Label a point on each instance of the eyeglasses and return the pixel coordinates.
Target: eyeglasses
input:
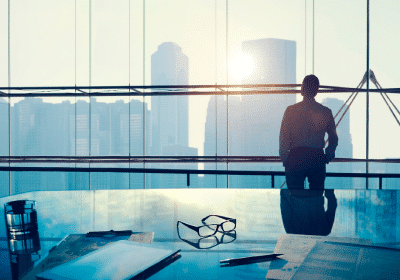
(211, 229)
(210, 241)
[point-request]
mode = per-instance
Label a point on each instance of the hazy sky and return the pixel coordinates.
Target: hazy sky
(43, 48)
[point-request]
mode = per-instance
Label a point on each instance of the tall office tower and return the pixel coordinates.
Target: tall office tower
(169, 114)
(344, 149)
(254, 123)
(274, 63)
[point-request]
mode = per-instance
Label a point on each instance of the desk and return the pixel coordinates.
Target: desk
(368, 214)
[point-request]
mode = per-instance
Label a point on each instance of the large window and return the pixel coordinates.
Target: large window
(180, 42)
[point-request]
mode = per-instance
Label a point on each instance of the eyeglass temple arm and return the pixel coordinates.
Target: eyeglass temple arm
(222, 217)
(189, 226)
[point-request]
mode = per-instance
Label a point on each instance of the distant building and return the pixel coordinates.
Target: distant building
(169, 114)
(40, 129)
(343, 150)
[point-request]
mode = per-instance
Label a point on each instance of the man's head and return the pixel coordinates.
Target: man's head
(310, 86)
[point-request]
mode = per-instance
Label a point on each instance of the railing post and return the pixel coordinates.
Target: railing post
(188, 179)
(272, 181)
(380, 182)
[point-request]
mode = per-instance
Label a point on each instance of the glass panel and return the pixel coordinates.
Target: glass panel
(179, 52)
(106, 180)
(260, 55)
(4, 133)
(384, 129)
(42, 36)
(110, 67)
(82, 179)
(110, 126)
(171, 180)
(4, 145)
(214, 181)
(215, 141)
(138, 113)
(42, 128)
(332, 57)
(4, 44)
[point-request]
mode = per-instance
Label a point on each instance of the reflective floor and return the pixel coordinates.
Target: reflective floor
(261, 216)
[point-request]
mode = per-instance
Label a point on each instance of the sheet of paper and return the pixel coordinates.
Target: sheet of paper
(295, 248)
(341, 261)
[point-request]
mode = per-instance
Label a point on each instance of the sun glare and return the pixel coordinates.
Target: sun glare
(241, 66)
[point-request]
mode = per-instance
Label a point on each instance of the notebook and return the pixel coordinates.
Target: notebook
(120, 260)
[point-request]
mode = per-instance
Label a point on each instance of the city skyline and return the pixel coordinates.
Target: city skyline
(44, 52)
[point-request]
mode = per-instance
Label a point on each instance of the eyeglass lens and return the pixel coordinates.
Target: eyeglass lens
(228, 226)
(207, 230)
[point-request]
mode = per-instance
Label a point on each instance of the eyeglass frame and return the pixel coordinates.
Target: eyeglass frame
(197, 229)
(231, 234)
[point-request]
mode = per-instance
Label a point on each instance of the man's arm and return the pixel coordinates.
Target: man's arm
(284, 137)
(332, 138)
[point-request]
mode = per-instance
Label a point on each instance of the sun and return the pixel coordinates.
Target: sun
(241, 66)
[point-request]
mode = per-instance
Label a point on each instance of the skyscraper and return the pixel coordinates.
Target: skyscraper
(274, 63)
(169, 114)
(254, 120)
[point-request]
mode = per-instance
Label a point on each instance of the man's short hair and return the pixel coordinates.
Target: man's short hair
(310, 86)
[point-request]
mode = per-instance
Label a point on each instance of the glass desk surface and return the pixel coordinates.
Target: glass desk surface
(262, 215)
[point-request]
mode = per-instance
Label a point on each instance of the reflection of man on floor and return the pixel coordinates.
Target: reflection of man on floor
(301, 140)
(303, 211)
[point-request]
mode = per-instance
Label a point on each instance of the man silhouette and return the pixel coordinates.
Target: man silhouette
(301, 139)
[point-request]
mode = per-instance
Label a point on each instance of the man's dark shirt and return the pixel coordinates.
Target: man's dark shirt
(304, 125)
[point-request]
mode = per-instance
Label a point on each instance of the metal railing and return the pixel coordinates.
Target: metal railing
(189, 172)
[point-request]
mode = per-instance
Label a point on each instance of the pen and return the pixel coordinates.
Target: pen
(250, 259)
